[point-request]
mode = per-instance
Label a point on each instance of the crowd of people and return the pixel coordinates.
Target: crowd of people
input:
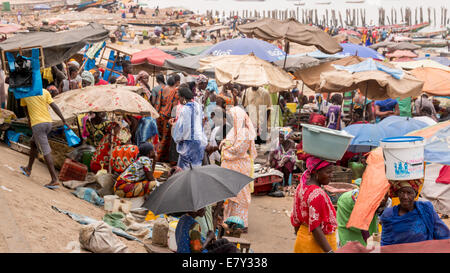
(201, 123)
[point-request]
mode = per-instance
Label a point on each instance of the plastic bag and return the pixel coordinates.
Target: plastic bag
(71, 137)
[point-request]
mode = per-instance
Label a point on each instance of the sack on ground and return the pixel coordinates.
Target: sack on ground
(98, 238)
(106, 182)
(160, 231)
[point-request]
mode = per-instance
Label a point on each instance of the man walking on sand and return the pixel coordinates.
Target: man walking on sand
(40, 122)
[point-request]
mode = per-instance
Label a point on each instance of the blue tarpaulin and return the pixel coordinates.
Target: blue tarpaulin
(371, 65)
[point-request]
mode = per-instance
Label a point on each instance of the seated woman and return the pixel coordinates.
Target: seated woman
(94, 127)
(189, 239)
(137, 180)
(411, 221)
(284, 157)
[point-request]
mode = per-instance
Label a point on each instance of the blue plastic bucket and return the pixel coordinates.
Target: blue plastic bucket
(403, 157)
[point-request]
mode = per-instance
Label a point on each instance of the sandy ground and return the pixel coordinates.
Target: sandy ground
(33, 226)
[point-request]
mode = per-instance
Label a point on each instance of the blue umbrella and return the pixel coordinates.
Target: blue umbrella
(42, 7)
(395, 126)
(245, 46)
(437, 148)
(366, 137)
(350, 49)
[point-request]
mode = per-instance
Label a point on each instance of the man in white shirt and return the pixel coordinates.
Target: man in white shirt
(258, 104)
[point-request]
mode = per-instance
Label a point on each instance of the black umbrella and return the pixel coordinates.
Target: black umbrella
(196, 188)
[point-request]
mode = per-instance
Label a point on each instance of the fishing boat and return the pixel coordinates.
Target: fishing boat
(433, 34)
(430, 42)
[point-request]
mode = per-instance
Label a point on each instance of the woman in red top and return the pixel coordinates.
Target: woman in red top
(313, 216)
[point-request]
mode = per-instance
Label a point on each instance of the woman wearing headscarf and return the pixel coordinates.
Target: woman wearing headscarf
(188, 131)
(165, 103)
(142, 81)
(411, 221)
(283, 158)
(238, 152)
(201, 83)
(137, 180)
(87, 79)
(313, 215)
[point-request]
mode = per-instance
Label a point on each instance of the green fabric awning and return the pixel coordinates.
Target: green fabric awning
(196, 50)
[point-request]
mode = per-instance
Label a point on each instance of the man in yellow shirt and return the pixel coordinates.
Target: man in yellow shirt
(40, 122)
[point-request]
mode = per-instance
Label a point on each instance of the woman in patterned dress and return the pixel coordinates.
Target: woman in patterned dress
(137, 180)
(238, 153)
(167, 99)
(313, 216)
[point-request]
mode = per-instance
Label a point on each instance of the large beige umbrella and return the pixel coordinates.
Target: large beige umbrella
(375, 84)
(247, 70)
(311, 76)
(292, 31)
(104, 98)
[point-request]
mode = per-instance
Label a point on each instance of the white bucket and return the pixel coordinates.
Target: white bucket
(172, 242)
(109, 201)
(403, 157)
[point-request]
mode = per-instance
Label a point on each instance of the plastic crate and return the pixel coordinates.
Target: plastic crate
(264, 184)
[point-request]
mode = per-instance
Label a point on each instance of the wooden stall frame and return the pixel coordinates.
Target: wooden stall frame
(20, 50)
(118, 52)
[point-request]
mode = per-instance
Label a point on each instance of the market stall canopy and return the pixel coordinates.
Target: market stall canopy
(244, 46)
(381, 45)
(58, 46)
(188, 65)
(9, 28)
(196, 50)
(442, 60)
(401, 54)
(422, 63)
(247, 70)
(292, 31)
(376, 185)
(103, 98)
(350, 32)
(378, 81)
(311, 76)
(294, 63)
(402, 46)
(437, 81)
(152, 56)
(350, 49)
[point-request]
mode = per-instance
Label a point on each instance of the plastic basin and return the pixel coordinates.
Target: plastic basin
(325, 143)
